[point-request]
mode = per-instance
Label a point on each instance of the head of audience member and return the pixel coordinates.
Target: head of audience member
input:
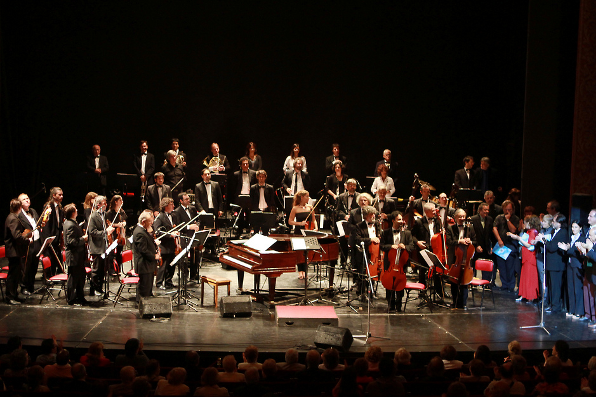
(229, 363)
(251, 354)
(592, 380)
(386, 367)
(78, 371)
(484, 163)
(298, 165)
(489, 197)
(482, 353)
(435, 368)
(269, 368)
(592, 363)
(330, 358)
(35, 376)
(14, 343)
(373, 355)
(457, 389)
(553, 207)
(504, 371)
(402, 357)
(19, 359)
(448, 353)
(468, 162)
(348, 384)
(127, 374)
(192, 359)
(498, 389)
(140, 388)
(514, 348)
(209, 377)
(476, 368)
(176, 376)
(63, 357)
(361, 366)
(518, 365)
(251, 375)
(95, 353)
(48, 346)
(291, 356)
(153, 369)
(131, 347)
(561, 350)
(351, 186)
(552, 369)
(592, 217)
(313, 359)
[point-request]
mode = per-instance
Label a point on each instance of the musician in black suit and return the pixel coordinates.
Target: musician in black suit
(144, 164)
(366, 233)
(28, 218)
(53, 227)
(183, 214)
(145, 254)
(395, 238)
(465, 177)
(262, 197)
(156, 192)
(208, 195)
(75, 256)
(347, 201)
(483, 228)
(356, 216)
(383, 204)
(163, 224)
(222, 161)
(422, 231)
(173, 174)
(243, 180)
(181, 157)
(487, 178)
(98, 243)
(504, 224)
(330, 160)
(97, 167)
(494, 209)
(15, 249)
(444, 211)
(296, 179)
(391, 165)
(416, 205)
(459, 236)
(556, 261)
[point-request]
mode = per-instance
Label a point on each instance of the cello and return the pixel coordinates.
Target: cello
(394, 278)
(439, 246)
(461, 272)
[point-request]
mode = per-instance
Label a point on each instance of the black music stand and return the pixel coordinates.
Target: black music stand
(197, 239)
(305, 244)
(433, 262)
(262, 221)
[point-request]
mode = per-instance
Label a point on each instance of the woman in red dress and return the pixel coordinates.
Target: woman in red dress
(528, 282)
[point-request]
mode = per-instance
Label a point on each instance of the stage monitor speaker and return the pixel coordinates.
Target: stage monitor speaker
(235, 306)
(581, 205)
(154, 306)
(336, 337)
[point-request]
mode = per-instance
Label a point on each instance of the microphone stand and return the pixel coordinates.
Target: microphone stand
(541, 324)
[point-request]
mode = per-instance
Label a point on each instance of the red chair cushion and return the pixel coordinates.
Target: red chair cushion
(59, 277)
(130, 280)
(3, 276)
(419, 286)
(88, 270)
(478, 283)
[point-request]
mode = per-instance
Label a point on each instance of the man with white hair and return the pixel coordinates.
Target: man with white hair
(145, 254)
(459, 237)
(423, 230)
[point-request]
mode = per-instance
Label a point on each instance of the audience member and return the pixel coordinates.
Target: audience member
(230, 373)
(482, 353)
(79, 382)
(62, 367)
(252, 388)
(19, 359)
(514, 348)
(173, 385)
(209, 386)
(250, 356)
(588, 385)
(331, 360)
(561, 350)
(435, 370)
(456, 389)
(373, 355)
(94, 356)
(498, 389)
(387, 384)
(477, 370)
(192, 365)
(269, 370)
(291, 363)
(127, 376)
(361, 368)
(550, 373)
(448, 354)
(35, 380)
(152, 373)
(402, 359)
(347, 385)
(140, 387)
(13, 343)
(313, 372)
(49, 349)
(133, 355)
(592, 363)
(504, 374)
(518, 366)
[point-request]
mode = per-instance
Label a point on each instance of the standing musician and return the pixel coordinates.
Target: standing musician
(145, 254)
(88, 207)
(217, 162)
(396, 237)
(183, 214)
(298, 218)
(98, 233)
(485, 239)
(254, 160)
(493, 209)
(336, 182)
(422, 231)
(144, 164)
(383, 204)
(504, 223)
(465, 178)
(116, 215)
(75, 255)
(15, 249)
(53, 227)
(156, 192)
(98, 166)
(29, 218)
(209, 199)
(383, 179)
(173, 173)
(445, 213)
(296, 180)
(366, 232)
(391, 165)
(180, 155)
(346, 202)
(163, 224)
(416, 205)
(330, 161)
(262, 196)
(243, 180)
(461, 235)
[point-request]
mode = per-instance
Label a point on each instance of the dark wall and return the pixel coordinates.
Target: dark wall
(432, 81)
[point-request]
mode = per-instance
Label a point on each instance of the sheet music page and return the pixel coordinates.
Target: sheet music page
(340, 227)
(298, 243)
(260, 242)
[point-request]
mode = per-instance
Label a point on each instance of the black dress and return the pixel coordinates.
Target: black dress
(300, 217)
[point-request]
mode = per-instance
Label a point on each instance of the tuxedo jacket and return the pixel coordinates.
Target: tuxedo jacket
(388, 207)
(75, 254)
(405, 237)
(484, 235)
(14, 242)
(97, 233)
(452, 237)
(461, 179)
(53, 226)
(255, 197)
(222, 160)
(576, 259)
(25, 222)
(448, 212)
(237, 180)
(342, 204)
(287, 181)
(163, 224)
(103, 165)
(143, 251)
(556, 258)
(420, 230)
(149, 166)
(152, 196)
(353, 221)
(360, 236)
(180, 216)
(201, 200)
(329, 163)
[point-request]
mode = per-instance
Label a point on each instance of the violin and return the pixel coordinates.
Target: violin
(312, 223)
(461, 272)
(120, 233)
(41, 222)
(394, 278)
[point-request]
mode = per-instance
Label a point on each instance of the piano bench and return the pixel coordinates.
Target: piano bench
(215, 282)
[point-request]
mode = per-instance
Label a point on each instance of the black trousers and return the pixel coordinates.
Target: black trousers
(556, 286)
(98, 271)
(76, 284)
(166, 272)
(394, 298)
(145, 285)
(459, 294)
(575, 290)
(13, 279)
(31, 265)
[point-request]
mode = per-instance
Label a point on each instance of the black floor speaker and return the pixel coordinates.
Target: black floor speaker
(154, 306)
(336, 337)
(235, 306)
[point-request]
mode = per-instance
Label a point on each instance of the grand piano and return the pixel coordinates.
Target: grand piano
(279, 258)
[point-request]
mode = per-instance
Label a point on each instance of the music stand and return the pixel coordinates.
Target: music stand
(197, 239)
(262, 221)
(305, 244)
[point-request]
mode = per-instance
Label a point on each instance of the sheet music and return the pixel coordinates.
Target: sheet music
(298, 244)
(260, 242)
(340, 227)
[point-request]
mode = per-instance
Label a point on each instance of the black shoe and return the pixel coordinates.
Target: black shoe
(25, 291)
(20, 300)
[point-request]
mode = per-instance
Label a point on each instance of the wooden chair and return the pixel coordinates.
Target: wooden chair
(484, 265)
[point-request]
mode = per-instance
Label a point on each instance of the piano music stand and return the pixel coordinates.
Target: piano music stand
(305, 244)
(262, 221)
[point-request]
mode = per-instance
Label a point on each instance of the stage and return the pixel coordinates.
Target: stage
(418, 330)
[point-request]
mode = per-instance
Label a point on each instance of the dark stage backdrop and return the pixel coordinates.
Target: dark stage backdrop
(432, 81)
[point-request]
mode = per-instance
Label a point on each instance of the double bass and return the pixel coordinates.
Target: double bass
(394, 278)
(461, 272)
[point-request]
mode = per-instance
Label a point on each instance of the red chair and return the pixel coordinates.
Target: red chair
(3, 277)
(126, 282)
(57, 282)
(415, 287)
(3, 255)
(484, 265)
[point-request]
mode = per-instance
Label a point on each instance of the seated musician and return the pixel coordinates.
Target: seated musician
(157, 192)
(445, 213)
(299, 218)
(262, 197)
(356, 216)
(218, 163)
(346, 202)
(366, 232)
(330, 161)
(208, 198)
(416, 205)
(163, 224)
(296, 179)
(423, 230)
(383, 179)
(459, 236)
(145, 254)
(173, 173)
(183, 214)
(243, 180)
(383, 204)
(116, 215)
(394, 238)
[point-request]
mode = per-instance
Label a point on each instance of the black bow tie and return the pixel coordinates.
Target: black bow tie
(395, 231)
(143, 154)
(261, 187)
(351, 195)
(245, 172)
(381, 201)
(207, 183)
(369, 224)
